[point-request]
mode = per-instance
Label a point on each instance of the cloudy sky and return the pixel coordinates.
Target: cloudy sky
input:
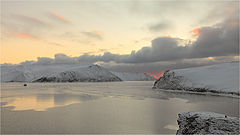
(123, 35)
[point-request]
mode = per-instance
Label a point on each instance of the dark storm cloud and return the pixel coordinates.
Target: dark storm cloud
(216, 42)
(158, 67)
(220, 41)
(58, 59)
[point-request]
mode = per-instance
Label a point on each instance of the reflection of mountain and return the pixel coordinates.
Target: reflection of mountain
(60, 99)
(42, 102)
(44, 97)
(30, 103)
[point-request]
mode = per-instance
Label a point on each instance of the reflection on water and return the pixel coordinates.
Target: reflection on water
(39, 97)
(109, 107)
(35, 103)
(42, 102)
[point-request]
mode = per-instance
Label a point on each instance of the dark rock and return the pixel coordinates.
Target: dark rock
(207, 123)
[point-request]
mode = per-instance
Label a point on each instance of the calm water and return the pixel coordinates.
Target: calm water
(111, 107)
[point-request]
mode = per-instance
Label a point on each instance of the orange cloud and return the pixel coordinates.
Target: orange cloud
(168, 36)
(196, 31)
(26, 36)
(97, 32)
(235, 23)
(61, 17)
(230, 11)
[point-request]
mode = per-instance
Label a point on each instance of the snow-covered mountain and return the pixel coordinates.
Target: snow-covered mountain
(55, 73)
(93, 73)
(28, 73)
(65, 72)
(219, 78)
(129, 76)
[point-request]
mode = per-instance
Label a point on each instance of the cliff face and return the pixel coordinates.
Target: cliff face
(221, 78)
(207, 123)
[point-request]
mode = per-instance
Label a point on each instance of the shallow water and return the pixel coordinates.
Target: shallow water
(109, 107)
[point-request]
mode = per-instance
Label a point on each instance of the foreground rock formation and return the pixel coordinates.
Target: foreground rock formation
(207, 123)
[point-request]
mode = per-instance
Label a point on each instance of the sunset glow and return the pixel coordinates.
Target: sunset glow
(33, 103)
(61, 17)
(124, 36)
(119, 66)
(26, 36)
(156, 75)
(210, 58)
(97, 32)
(235, 23)
(196, 31)
(168, 36)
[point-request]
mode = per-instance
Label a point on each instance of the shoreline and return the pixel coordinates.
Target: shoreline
(198, 93)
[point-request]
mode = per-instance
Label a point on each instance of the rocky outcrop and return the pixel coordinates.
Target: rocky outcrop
(207, 123)
(170, 81)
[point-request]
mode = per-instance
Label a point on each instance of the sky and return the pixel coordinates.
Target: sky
(124, 35)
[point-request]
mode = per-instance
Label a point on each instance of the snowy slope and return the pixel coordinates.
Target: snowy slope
(223, 78)
(15, 74)
(93, 73)
(28, 73)
(207, 123)
(32, 72)
(127, 76)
